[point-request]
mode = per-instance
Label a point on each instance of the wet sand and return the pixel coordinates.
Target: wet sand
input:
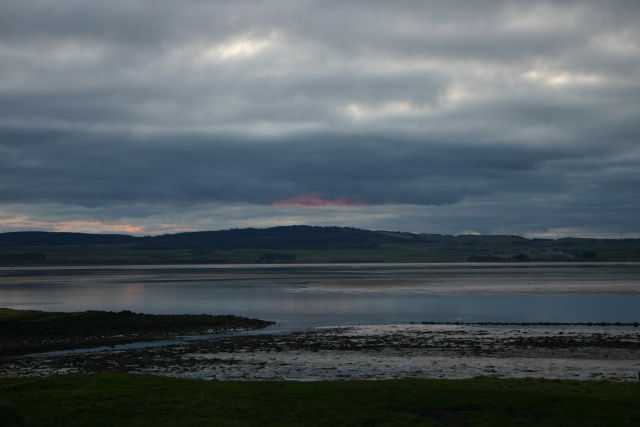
(370, 352)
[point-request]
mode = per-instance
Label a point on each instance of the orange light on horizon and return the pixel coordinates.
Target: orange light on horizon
(312, 200)
(24, 223)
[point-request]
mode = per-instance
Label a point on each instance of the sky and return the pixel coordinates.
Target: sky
(148, 117)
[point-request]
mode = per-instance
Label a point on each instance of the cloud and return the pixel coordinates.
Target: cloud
(474, 115)
(313, 200)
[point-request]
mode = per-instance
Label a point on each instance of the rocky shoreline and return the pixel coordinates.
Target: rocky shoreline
(369, 352)
(38, 332)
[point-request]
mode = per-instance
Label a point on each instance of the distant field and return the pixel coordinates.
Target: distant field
(136, 400)
(127, 255)
(301, 244)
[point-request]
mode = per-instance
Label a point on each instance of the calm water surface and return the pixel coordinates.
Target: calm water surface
(300, 296)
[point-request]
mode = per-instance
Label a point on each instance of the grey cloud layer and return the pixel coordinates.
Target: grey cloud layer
(370, 170)
(502, 104)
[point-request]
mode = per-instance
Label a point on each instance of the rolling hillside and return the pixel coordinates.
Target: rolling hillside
(300, 244)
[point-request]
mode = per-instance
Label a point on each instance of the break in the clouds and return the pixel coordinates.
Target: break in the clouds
(149, 117)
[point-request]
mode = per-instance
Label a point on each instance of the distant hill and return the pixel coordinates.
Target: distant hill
(290, 237)
(300, 243)
(277, 237)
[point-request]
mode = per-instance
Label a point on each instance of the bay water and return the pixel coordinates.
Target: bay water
(301, 296)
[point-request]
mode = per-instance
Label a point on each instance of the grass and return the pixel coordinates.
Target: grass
(137, 400)
(8, 314)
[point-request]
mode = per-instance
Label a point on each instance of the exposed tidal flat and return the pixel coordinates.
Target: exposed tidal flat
(366, 352)
(356, 352)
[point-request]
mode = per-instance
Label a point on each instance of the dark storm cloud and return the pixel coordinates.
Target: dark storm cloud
(441, 116)
(112, 169)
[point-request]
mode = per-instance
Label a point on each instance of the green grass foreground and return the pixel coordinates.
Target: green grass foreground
(139, 400)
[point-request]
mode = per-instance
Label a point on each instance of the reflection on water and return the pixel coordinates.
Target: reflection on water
(324, 295)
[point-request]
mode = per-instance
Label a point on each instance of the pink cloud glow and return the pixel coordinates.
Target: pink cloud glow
(312, 200)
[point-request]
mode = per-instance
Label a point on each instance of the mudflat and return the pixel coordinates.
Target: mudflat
(369, 352)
